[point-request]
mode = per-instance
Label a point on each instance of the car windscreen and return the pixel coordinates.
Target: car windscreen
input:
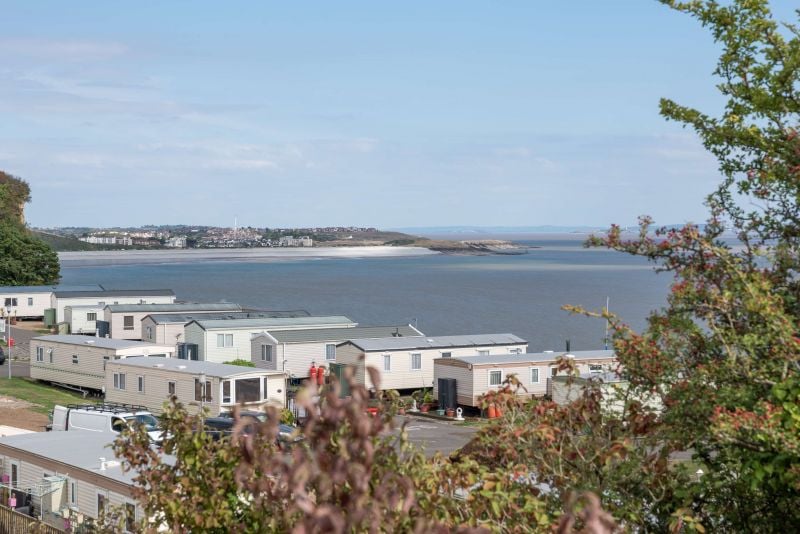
(150, 422)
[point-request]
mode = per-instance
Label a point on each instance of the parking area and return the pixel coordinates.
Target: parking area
(437, 436)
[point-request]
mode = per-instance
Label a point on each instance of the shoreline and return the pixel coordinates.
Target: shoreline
(100, 258)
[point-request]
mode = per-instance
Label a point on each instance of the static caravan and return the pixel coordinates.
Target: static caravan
(79, 361)
(150, 382)
(67, 477)
(61, 299)
(407, 362)
(226, 340)
(167, 328)
(613, 388)
(29, 302)
(294, 351)
(125, 320)
(83, 319)
(476, 375)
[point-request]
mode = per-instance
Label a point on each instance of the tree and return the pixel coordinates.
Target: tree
(24, 259)
(723, 355)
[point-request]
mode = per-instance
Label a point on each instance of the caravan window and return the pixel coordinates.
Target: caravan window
(266, 353)
(119, 380)
(330, 351)
(248, 390)
(495, 378)
(127, 322)
(534, 375)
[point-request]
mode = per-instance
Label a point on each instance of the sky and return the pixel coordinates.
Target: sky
(286, 114)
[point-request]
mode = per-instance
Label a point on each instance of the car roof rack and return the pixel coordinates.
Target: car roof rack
(109, 407)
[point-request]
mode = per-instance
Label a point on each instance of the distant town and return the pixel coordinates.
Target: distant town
(181, 236)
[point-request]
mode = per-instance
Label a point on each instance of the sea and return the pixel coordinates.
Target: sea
(440, 294)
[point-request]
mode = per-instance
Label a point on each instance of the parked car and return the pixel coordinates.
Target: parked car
(223, 425)
(106, 417)
(3, 357)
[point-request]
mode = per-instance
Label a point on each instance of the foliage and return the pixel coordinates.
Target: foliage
(351, 473)
(722, 357)
(581, 447)
(24, 259)
(287, 417)
(241, 362)
(14, 194)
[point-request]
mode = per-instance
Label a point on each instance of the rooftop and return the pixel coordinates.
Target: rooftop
(47, 289)
(428, 342)
(102, 342)
(341, 334)
(536, 357)
(76, 448)
(193, 367)
(174, 307)
(183, 318)
(273, 322)
(115, 293)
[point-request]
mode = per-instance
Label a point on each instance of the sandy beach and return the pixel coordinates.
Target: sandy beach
(140, 257)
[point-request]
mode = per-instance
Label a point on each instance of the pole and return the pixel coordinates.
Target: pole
(8, 339)
(605, 339)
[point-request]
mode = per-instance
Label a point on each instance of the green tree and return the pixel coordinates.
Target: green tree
(722, 357)
(24, 259)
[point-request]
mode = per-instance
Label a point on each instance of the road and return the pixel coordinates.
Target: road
(437, 436)
(21, 352)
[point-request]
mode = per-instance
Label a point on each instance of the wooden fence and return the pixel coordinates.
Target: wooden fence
(16, 523)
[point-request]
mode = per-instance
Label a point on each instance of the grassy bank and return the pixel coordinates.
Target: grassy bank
(42, 397)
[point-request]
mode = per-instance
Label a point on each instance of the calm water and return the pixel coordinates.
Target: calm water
(443, 294)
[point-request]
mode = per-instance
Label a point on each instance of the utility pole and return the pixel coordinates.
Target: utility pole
(605, 339)
(9, 339)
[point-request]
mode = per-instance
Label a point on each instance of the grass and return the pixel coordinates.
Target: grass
(41, 396)
(471, 423)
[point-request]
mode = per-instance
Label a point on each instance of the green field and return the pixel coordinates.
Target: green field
(42, 397)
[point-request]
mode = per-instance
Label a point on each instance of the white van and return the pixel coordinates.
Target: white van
(108, 417)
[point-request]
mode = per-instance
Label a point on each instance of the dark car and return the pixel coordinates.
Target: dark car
(223, 425)
(2, 356)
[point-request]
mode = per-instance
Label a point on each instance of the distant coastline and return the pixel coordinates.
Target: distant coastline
(140, 257)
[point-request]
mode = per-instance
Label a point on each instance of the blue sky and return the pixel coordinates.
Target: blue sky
(324, 113)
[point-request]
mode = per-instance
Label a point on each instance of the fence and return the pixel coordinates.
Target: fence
(16, 523)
